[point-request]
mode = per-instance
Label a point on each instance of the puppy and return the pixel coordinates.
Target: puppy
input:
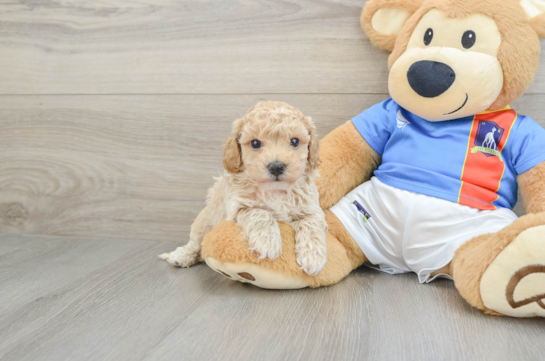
(271, 161)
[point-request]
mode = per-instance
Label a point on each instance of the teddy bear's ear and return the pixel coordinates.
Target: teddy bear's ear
(382, 20)
(536, 11)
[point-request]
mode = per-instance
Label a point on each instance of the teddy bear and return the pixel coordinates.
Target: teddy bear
(426, 180)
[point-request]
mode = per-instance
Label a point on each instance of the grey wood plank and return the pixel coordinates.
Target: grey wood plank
(113, 300)
(124, 166)
(134, 167)
(41, 278)
(187, 47)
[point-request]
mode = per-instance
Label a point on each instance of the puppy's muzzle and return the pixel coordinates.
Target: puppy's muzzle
(276, 168)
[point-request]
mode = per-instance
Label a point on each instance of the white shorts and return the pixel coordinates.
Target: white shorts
(411, 232)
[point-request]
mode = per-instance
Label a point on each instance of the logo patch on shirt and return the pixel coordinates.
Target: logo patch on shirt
(489, 136)
(362, 210)
(402, 122)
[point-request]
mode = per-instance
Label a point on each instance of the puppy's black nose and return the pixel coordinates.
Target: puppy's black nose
(276, 168)
(430, 78)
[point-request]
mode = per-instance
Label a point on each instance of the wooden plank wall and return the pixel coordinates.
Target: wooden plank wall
(112, 114)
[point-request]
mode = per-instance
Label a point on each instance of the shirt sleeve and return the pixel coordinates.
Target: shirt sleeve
(528, 145)
(376, 124)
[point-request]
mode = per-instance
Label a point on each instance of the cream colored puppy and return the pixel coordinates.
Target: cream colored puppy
(271, 161)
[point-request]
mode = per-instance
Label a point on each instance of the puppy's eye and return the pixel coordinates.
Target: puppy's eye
(294, 142)
(256, 144)
(428, 36)
(468, 39)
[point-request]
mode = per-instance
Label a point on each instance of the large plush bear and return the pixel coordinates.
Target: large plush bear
(425, 181)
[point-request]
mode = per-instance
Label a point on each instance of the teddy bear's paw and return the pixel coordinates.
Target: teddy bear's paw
(311, 256)
(267, 243)
(181, 257)
(514, 283)
(256, 275)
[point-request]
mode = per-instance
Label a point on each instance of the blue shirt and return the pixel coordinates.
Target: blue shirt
(473, 161)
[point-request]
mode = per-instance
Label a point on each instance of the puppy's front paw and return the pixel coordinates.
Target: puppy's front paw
(266, 243)
(181, 257)
(311, 256)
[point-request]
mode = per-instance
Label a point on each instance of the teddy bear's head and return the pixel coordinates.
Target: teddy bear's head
(456, 58)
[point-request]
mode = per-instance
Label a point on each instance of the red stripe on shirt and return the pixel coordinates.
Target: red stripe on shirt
(482, 174)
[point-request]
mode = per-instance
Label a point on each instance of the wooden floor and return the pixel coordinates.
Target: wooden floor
(103, 299)
(112, 116)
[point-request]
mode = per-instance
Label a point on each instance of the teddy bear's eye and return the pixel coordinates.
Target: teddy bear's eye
(468, 39)
(428, 36)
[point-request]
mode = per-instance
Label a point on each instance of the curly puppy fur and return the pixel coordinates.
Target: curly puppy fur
(250, 195)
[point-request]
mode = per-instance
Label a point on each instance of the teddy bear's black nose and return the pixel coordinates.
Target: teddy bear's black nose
(276, 168)
(430, 78)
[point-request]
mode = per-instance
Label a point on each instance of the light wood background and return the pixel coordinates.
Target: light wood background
(112, 113)
(112, 116)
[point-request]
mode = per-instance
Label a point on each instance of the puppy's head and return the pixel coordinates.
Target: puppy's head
(273, 144)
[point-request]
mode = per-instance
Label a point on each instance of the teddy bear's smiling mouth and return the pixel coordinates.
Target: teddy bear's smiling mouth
(463, 105)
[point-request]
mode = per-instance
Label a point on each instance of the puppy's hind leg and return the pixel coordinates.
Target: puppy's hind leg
(190, 254)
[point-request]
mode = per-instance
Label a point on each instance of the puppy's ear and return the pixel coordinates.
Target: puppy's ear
(536, 12)
(313, 147)
(232, 152)
(382, 20)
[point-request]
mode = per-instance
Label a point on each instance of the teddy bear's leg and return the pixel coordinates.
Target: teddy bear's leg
(226, 251)
(503, 273)
(340, 233)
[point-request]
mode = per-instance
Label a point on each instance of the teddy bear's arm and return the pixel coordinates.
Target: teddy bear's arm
(532, 187)
(347, 161)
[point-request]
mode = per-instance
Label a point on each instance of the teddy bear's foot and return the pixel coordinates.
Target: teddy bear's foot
(256, 275)
(514, 283)
(503, 273)
(226, 251)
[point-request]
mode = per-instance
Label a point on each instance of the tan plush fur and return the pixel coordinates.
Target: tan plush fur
(339, 232)
(257, 199)
(384, 41)
(532, 187)
(227, 244)
(473, 258)
(538, 24)
(346, 162)
(519, 51)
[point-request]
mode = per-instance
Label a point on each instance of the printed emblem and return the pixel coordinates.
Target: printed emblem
(489, 135)
(402, 122)
(362, 210)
